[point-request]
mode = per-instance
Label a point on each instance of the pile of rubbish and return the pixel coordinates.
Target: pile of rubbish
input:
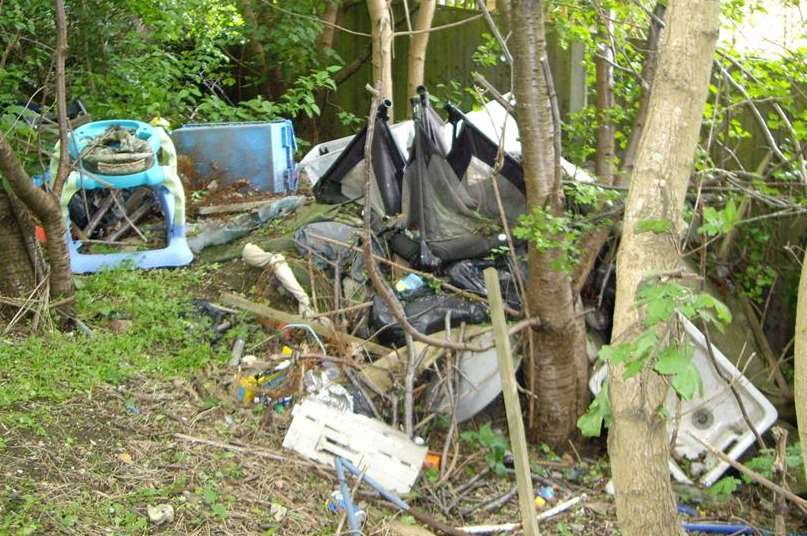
(443, 195)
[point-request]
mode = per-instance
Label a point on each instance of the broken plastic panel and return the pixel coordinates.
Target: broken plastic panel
(714, 417)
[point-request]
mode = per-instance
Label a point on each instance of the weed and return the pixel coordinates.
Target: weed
(166, 338)
(494, 442)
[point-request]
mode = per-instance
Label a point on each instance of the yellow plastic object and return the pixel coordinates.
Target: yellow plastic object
(540, 502)
(251, 385)
(158, 121)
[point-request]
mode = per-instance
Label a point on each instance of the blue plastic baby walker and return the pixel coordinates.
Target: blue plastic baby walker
(160, 174)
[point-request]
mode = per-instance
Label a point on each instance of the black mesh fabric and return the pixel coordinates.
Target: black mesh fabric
(345, 179)
(468, 141)
(437, 204)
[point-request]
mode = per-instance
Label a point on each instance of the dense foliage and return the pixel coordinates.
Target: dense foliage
(201, 60)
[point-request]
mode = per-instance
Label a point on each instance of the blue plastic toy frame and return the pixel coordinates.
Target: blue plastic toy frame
(161, 177)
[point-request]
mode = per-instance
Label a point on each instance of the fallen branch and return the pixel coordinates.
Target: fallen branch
(511, 527)
(288, 318)
(730, 383)
(780, 470)
(350, 309)
(258, 452)
(432, 277)
(233, 207)
(102, 210)
(493, 504)
(760, 120)
(753, 475)
(765, 348)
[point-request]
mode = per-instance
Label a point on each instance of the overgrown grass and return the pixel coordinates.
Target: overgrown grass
(167, 338)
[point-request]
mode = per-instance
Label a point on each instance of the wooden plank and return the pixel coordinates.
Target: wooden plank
(234, 300)
(233, 207)
(515, 422)
(383, 372)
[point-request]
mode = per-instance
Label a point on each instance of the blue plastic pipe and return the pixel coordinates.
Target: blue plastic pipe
(718, 528)
(375, 484)
(349, 508)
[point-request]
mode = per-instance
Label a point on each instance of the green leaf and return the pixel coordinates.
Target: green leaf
(654, 225)
(724, 488)
(210, 496)
(597, 415)
(705, 301)
(219, 510)
(676, 361)
(615, 354)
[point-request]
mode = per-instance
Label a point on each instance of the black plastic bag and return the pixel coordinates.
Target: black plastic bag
(427, 314)
(468, 275)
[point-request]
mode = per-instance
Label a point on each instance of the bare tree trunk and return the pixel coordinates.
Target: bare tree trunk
(61, 97)
(382, 45)
(328, 17)
(255, 47)
(800, 360)
(604, 161)
(637, 442)
(418, 46)
(17, 275)
(648, 73)
(593, 243)
(560, 341)
(46, 208)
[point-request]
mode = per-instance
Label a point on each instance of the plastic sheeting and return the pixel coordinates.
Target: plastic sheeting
(467, 275)
(216, 233)
(311, 240)
(473, 158)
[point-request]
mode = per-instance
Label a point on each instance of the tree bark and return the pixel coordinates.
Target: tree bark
(61, 97)
(604, 162)
(559, 349)
(328, 17)
(46, 209)
(638, 442)
(418, 46)
(382, 46)
(18, 272)
(648, 73)
(800, 360)
(255, 48)
(593, 243)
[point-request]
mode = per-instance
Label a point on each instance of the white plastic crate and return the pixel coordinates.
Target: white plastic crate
(319, 432)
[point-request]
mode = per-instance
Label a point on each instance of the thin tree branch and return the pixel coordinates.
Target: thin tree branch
(753, 475)
(63, 169)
